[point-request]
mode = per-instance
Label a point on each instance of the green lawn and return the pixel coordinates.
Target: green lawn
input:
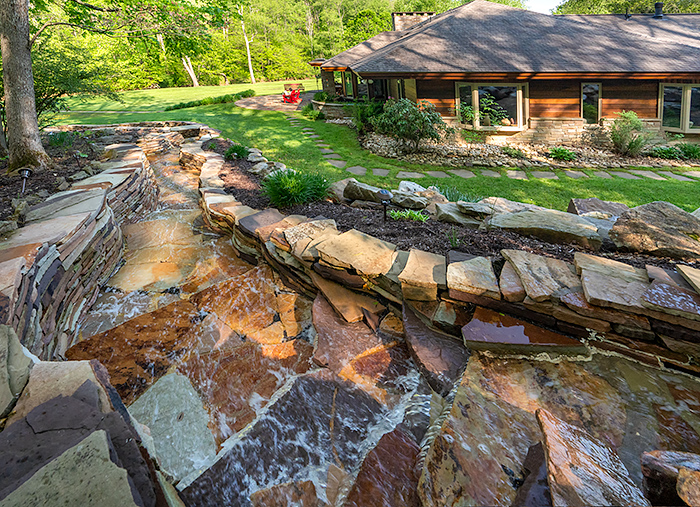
(279, 141)
(159, 99)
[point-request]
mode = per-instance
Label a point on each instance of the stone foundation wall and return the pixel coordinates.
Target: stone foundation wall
(422, 280)
(331, 111)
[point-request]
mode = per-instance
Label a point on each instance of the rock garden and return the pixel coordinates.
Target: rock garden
(170, 335)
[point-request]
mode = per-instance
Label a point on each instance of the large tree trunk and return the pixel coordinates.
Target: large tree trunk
(190, 70)
(23, 139)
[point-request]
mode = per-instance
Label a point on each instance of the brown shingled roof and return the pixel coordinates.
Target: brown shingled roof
(487, 37)
(363, 49)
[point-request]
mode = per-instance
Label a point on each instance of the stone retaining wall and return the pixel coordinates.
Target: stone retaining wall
(311, 255)
(331, 111)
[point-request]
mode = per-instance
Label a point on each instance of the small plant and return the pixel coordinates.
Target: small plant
(236, 151)
(628, 135)
(667, 152)
(474, 136)
(513, 152)
(62, 139)
(466, 114)
(689, 150)
(410, 123)
(560, 153)
(453, 195)
(321, 97)
(489, 108)
(211, 146)
(309, 112)
(363, 113)
(288, 187)
(452, 238)
(408, 214)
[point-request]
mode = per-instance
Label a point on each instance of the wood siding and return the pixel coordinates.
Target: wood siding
(626, 95)
(439, 93)
(555, 99)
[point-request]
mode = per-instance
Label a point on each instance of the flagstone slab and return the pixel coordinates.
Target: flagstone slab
(624, 175)
(602, 174)
(357, 170)
(691, 275)
(544, 175)
(510, 285)
(355, 250)
(381, 172)
(609, 267)
(326, 150)
(596, 207)
(14, 368)
(583, 470)
(694, 174)
(409, 174)
(576, 175)
(516, 175)
(437, 174)
(668, 277)
(53, 231)
(68, 203)
(449, 212)
(674, 176)
(661, 469)
(688, 486)
(423, 275)
(543, 278)
(332, 156)
(673, 300)
(462, 173)
(474, 276)
(490, 174)
(252, 223)
(648, 174)
(289, 494)
(613, 292)
(337, 163)
(347, 303)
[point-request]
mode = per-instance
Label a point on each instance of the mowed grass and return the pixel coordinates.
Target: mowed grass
(159, 99)
(279, 141)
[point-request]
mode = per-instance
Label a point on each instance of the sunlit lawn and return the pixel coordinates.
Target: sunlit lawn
(279, 141)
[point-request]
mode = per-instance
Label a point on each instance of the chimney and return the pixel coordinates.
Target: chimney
(658, 10)
(405, 20)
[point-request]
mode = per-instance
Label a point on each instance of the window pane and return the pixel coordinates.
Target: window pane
(465, 95)
(348, 84)
(695, 108)
(590, 96)
(673, 96)
(498, 105)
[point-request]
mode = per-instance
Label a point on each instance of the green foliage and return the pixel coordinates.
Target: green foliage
(309, 112)
(363, 113)
(628, 135)
(236, 151)
(453, 238)
(560, 153)
(444, 5)
(409, 214)
(488, 107)
(690, 151)
(620, 6)
(474, 136)
(321, 97)
(410, 122)
(667, 152)
(513, 152)
(454, 194)
(366, 24)
(288, 187)
(466, 114)
(61, 139)
(206, 101)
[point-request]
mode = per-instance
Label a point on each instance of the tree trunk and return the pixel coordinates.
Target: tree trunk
(247, 49)
(23, 139)
(188, 67)
(161, 42)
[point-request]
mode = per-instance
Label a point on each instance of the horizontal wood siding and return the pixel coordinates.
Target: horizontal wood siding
(555, 99)
(439, 93)
(624, 95)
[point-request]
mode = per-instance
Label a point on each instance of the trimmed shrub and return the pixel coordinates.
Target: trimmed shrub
(236, 151)
(559, 153)
(287, 187)
(410, 123)
(628, 135)
(223, 99)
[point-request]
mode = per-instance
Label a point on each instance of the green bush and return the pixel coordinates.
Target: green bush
(309, 112)
(466, 114)
(410, 122)
(223, 99)
(236, 151)
(363, 114)
(628, 135)
(62, 139)
(513, 152)
(246, 94)
(288, 187)
(559, 153)
(667, 152)
(408, 214)
(689, 150)
(321, 97)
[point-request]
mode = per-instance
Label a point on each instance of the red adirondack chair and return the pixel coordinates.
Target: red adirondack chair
(291, 96)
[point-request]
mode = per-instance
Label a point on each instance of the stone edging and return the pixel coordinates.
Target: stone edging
(443, 291)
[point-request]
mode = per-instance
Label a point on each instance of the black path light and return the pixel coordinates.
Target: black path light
(25, 174)
(386, 199)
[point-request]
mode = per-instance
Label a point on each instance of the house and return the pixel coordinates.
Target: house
(524, 76)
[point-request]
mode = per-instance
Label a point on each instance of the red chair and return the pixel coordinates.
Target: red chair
(291, 96)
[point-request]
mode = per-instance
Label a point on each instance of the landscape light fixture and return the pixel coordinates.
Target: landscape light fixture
(386, 199)
(25, 174)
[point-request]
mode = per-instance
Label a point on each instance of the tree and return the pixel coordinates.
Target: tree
(622, 6)
(366, 24)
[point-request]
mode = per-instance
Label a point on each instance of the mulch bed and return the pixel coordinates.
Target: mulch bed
(431, 236)
(41, 185)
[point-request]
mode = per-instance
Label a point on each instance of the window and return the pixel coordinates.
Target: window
(491, 105)
(680, 107)
(347, 84)
(590, 102)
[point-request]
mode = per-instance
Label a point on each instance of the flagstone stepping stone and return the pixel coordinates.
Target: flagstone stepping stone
(543, 278)
(314, 136)
(440, 357)
(544, 175)
(661, 470)
(691, 275)
(332, 155)
(549, 225)
(575, 174)
(355, 250)
(602, 209)
(337, 163)
(325, 150)
(437, 174)
(321, 144)
(423, 275)
(692, 174)
(380, 172)
(473, 276)
(307, 129)
(602, 174)
(462, 173)
(583, 470)
(85, 471)
(490, 174)
(516, 175)
(624, 175)
(347, 303)
(357, 170)
(674, 176)
(178, 423)
(449, 212)
(409, 174)
(510, 285)
(489, 330)
(648, 174)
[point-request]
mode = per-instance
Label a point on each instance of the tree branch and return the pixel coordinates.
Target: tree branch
(95, 7)
(103, 31)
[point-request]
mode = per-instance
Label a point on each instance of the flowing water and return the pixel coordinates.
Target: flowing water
(214, 358)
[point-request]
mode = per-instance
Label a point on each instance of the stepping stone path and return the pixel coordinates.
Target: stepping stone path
(516, 175)
(648, 174)
(490, 174)
(331, 155)
(402, 175)
(380, 172)
(576, 174)
(544, 175)
(357, 170)
(326, 150)
(337, 163)
(674, 176)
(624, 175)
(437, 174)
(602, 174)
(462, 173)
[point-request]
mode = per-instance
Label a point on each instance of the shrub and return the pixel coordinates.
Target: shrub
(474, 136)
(559, 153)
(362, 115)
(308, 111)
(63, 139)
(288, 187)
(513, 152)
(321, 97)
(246, 93)
(628, 135)
(466, 114)
(410, 122)
(453, 195)
(236, 151)
(689, 150)
(223, 99)
(408, 214)
(667, 152)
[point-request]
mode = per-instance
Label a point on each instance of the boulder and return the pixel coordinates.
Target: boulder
(357, 191)
(494, 206)
(658, 228)
(290, 494)
(410, 186)
(337, 189)
(449, 212)
(409, 200)
(688, 486)
(549, 225)
(602, 209)
(14, 369)
(7, 226)
(660, 470)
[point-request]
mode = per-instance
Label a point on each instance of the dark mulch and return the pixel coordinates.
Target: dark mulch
(42, 184)
(431, 236)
